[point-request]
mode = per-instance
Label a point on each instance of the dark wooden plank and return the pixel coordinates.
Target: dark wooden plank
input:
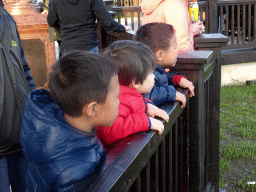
(244, 14)
(249, 22)
(232, 23)
(175, 157)
(221, 19)
(161, 169)
(238, 24)
(180, 151)
(227, 19)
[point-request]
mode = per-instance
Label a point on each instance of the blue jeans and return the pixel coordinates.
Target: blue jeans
(13, 169)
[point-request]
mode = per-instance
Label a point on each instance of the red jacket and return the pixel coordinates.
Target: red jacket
(131, 118)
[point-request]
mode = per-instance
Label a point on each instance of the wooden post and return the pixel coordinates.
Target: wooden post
(214, 42)
(212, 16)
(197, 66)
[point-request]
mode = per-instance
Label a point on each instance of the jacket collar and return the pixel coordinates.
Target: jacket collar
(129, 90)
(160, 68)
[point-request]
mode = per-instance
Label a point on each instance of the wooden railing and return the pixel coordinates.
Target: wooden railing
(186, 156)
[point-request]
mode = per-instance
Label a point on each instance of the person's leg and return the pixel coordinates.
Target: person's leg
(17, 171)
(4, 176)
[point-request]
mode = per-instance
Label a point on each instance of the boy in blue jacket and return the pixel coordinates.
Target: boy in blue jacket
(58, 135)
(161, 38)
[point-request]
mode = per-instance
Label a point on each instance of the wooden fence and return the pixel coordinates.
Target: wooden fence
(186, 156)
(235, 19)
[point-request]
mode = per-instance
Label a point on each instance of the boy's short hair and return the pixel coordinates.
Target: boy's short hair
(155, 35)
(78, 78)
(134, 60)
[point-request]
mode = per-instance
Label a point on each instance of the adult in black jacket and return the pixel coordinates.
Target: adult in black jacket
(76, 20)
(15, 85)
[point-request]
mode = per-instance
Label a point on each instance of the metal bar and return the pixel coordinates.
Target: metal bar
(232, 23)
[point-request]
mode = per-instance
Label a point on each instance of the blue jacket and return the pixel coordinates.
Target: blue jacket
(59, 155)
(164, 88)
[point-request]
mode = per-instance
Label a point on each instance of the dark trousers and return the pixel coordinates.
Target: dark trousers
(13, 169)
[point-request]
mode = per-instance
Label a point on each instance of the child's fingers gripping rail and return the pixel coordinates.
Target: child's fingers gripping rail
(182, 98)
(157, 125)
(154, 111)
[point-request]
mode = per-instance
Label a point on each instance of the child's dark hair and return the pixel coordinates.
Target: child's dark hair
(134, 60)
(155, 35)
(79, 78)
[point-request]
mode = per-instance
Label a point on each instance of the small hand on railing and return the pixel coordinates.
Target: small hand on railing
(127, 28)
(154, 111)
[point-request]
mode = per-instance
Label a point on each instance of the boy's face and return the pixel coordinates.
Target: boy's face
(147, 84)
(169, 56)
(109, 109)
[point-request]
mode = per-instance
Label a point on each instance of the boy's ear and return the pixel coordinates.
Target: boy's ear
(158, 55)
(90, 109)
(134, 85)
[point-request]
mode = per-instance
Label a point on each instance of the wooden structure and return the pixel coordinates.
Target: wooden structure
(34, 33)
(235, 19)
(186, 156)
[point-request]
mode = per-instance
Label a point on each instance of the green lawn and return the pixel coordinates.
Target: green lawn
(238, 138)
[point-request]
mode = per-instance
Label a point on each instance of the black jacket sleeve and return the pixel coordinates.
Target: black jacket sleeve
(103, 16)
(52, 17)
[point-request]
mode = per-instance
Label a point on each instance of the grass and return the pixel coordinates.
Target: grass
(238, 138)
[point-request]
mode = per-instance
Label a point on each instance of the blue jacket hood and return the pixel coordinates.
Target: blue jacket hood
(61, 155)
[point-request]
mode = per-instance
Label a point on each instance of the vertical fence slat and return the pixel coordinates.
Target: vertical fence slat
(227, 19)
(254, 18)
(232, 23)
(148, 177)
(175, 157)
(249, 22)
(221, 19)
(238, 24)
(132, 19)
(180, 150)
(185, 186)
(125, 17)
(138, 13)
(161, 160)
(244, 13)
(169, 164)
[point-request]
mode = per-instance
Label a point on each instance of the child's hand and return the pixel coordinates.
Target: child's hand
(127, 28)
(197, 27)
(180, 97)
(187, 84)
(156, 125)
(155, 111)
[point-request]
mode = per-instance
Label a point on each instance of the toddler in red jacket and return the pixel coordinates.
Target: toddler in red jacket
(136, 63)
